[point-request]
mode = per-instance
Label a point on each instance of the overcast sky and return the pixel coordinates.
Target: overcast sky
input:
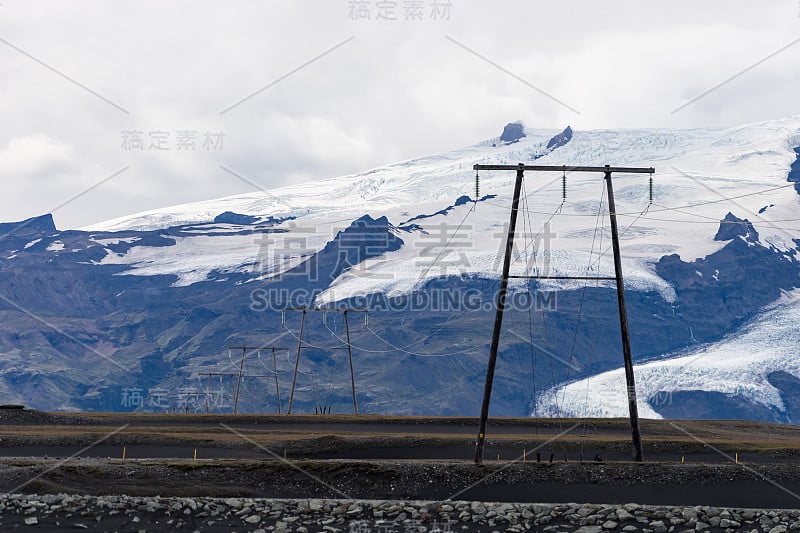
(332, 93)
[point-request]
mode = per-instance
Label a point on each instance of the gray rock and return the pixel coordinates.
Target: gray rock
(589, 529)
(235, 503)
(623, 515)
(478, 508)
(513, 132)
(315, 505)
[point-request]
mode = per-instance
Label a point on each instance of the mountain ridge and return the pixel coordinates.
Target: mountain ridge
(149, 302)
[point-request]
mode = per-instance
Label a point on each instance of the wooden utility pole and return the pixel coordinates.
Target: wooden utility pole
(242, 375)
(347, 346)
(498, 322)
(239, 382)
(350, 356)
(633, 408)
(230, 375)
(498, 315)
(208, 385)
(275, 370)
(190, 395)
(296, 362)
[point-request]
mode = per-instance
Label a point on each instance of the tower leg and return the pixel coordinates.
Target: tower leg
(633, 408)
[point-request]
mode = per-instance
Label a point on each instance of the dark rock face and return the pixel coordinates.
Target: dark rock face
(719, 406)
(561, 139)
(17, 234)
(513, 132)
(364, 239)
(732, 227)
(714, 405)
(461, 200)
(33, 226)
(794, 172)
(721, 291)
(789, 386)
(229, 217)
(158, 331)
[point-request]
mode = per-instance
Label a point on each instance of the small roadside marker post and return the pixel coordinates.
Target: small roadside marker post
(124, 449)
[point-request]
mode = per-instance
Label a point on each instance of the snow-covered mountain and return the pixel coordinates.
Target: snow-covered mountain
(145, 304)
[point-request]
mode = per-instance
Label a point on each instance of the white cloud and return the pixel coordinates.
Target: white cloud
(397, 90)
(35, 157)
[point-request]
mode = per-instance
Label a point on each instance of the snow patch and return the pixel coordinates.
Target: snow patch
(743, 161)
(192, 259)
(115, 240)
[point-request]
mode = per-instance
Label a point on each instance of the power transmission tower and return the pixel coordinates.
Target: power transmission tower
(207, 392)
(190, 395)
(347, 346)
(208, 385)
(275, 371)
(501, 296)
(241, 370)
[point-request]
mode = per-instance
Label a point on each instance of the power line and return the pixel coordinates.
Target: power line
(300, 345)
(241, 370)
(666, 208)
(397, 348)
(444, 249)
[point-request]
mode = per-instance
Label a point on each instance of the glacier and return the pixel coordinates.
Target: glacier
(150, 301)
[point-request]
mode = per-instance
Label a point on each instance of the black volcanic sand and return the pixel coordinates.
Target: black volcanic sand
(767, 485)
(376, 457)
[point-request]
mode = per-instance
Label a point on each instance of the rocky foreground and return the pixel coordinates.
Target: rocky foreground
(149, 514)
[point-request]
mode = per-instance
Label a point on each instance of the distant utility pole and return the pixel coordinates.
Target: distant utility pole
(224, 374)
(190, 395)
(501, 296)
(347, 346)
(241, 370)
(208, 385)
(275, 371)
